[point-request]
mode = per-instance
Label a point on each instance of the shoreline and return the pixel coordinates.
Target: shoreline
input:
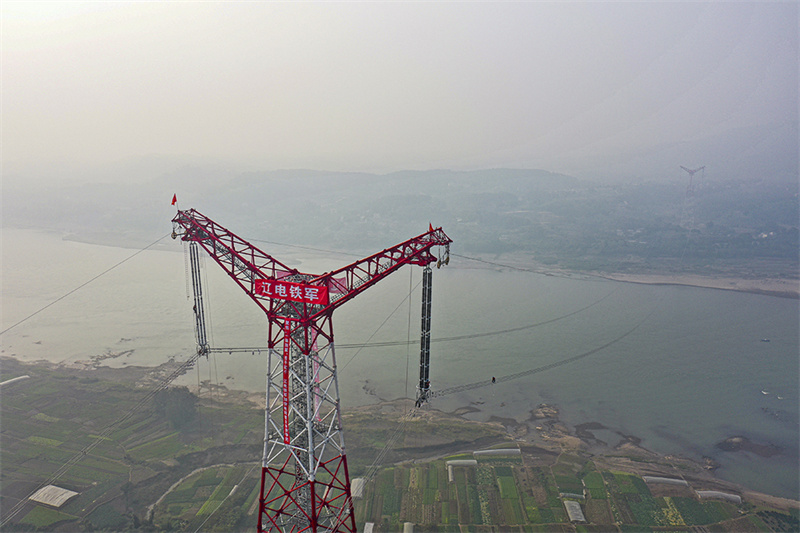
(754, 277)
(778, 288)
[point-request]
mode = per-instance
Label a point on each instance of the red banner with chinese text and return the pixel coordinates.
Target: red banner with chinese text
(289, 290)
(287, 349)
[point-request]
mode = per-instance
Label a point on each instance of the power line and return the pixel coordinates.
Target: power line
(335, 252)
(385, 344)
(519, 268)
(517, 375)
(382, 324)
(487, 333)
(84, 284)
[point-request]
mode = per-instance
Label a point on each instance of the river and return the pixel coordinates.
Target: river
(681, 368)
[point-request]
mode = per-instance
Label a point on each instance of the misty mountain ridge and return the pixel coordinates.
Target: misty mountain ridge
(560, 219)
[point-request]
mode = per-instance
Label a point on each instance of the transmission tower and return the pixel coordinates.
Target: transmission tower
(687, 215)
(305, 484)
(690, 187)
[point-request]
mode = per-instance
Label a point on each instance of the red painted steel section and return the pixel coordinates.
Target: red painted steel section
(287, 350)
(282, 495)
(248, 265)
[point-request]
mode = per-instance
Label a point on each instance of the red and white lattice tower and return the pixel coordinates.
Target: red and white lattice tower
(305, 485)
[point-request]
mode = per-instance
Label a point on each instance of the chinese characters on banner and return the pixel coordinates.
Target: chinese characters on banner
(295, 292)
(287, 344)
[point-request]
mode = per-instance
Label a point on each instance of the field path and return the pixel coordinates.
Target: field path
(174, 485)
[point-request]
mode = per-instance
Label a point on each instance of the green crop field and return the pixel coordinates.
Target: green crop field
(44, 441)
(594, 480)
(42, 517)
(498, 499)
(508, 488)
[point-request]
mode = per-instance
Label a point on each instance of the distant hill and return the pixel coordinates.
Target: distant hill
(560, 219)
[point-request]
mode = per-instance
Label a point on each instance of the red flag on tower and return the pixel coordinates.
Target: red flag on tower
(430, 226)
(174, 199)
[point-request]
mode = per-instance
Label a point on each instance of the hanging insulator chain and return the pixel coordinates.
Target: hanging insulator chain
(424, 387)
(444, 259)
(199, 307)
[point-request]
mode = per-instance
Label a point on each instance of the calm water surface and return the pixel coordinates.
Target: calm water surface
(684, 367)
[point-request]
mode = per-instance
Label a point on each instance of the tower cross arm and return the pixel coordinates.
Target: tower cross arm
(347, 282)
(259, 274)
(241, 260)
(692, 172)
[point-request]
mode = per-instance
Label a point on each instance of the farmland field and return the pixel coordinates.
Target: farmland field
(518, 497)
(205, 474)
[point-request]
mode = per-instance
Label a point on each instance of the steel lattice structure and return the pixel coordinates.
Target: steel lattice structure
(305, 484)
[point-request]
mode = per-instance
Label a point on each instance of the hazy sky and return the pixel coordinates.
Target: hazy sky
(385, 86)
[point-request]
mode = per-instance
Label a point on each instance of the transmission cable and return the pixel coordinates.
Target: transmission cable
(384, 344)
(334, 252)
(523, 269)
(382, 324)
(485, 333)
(550, 366)
(84, 284)
(113, 425)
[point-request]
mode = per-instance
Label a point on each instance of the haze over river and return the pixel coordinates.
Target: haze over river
(684, 368)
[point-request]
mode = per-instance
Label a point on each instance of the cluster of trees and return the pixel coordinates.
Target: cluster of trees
(177, 405)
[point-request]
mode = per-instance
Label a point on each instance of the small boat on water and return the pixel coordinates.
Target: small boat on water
(764, 340)
(764, 392)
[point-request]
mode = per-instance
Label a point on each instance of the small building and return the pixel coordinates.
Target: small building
(666, 480)
(462, 462)
(368, 527)
(357, 487)
(458, 462)
(13, 380)
(503, 451)
(574, 511)
(408, 527)
(53, 496)
(716, 495)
